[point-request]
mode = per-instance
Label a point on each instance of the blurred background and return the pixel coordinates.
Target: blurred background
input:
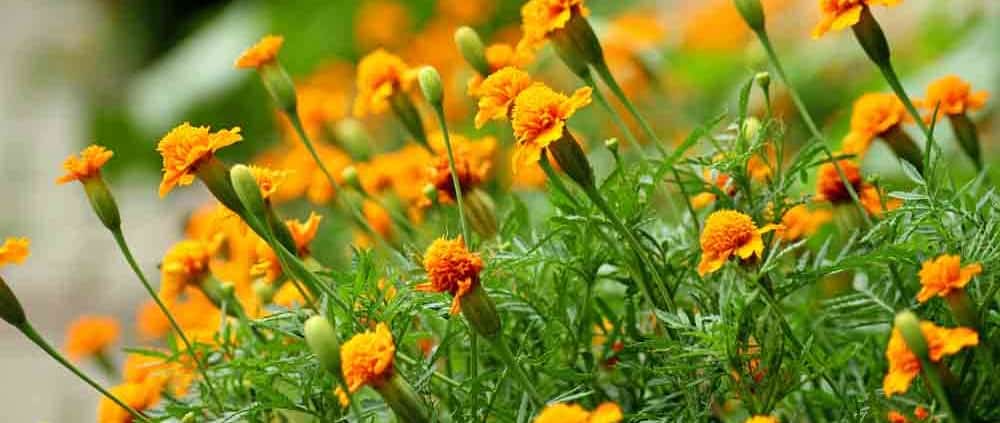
(122, 73)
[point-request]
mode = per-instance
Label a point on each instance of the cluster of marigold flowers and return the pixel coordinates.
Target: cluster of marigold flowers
(220, 250)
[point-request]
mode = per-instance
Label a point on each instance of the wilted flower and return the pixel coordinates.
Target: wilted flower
(729, 232)
(904, 365)
(943, 275)
(186, 147)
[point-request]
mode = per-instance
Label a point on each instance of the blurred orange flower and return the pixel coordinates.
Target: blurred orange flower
(90, 335)
(952, 96)
(943, 275)
(904, 365)
(380, 76)
(607, 412)
(14, 250)
(260, 54)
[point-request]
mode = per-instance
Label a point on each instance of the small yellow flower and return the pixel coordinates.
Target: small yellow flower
(186, 147)
(380, 75)
(260, 54)
(729, 232)
(90, 335)
(762, 419)
(539, 118)
(952, 96)
(451, 268)
(904, 366)
(87, 165)
(943, 275)
(498, 92)
(607, 412)
(366, 359)
(841, 14)
(14, 250)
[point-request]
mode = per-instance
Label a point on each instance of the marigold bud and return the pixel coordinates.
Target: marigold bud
(752, 13)
(471, 47)
(578, 46)
(763, 79)
(573, 160)
(10, 308)
(350, 177)
(103, 202)
(872, 39)
(248, 192)
(279, 85)
(322, 339)
(909, 327)
(751, 126)
(611, 144)
(264, 291)
(430, 84)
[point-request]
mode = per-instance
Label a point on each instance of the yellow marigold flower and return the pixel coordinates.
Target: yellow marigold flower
(185, 263)
(366, 358)
(539, 18)
(953, 96)
(904, 365)
(260, 54)
(186, 147)
(762, 419)
(14, 250)
(729, 232)
(498, 92)
(90, 335)
(841, 14)
(871, 199)
(800, 222)
(944, 274)
(139, 396)
(87, 165)
(607, 412)
(895, 417)
(451, 268)
(269, 180)
(829, 186)
(539, 117)
(380, 75)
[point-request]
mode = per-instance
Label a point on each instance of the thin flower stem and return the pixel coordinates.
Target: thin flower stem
(556, 181)
(522, 377)
(589, 80)
(609, 80)
(30, 332)
(439, 113)
(452, 383)
(127, 252)
(890, 76)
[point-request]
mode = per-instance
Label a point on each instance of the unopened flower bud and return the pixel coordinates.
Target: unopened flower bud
(611, 144)
(322, 339)
(264, 291)
(430, 84)
(248, 192)
(188, 418)
(10, 307)
(752, 13)
(354, 138)
(279, 85)
(350, 177)
(431, 193)
(103, 202)
(751, 126)
(471, 47)
(763, 80)
(872, 39)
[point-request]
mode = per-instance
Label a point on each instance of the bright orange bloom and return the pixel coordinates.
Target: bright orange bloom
(607, 412)
(895, 417)
(952, 96)
(873, 115)
(186, 263)
(366, 358)
(87, 165)
(871, 199)
(260, 54)
(729, 232)
(539, 18)
(186, 147)
(799, 222)
(14, 250)
(762, 419)
(904, 365)
(499, 56)
(829, 186)
(841, 14)
(269, 180)
(139, 396)
(90, 335)
(380, 75)
(470, 175)
(945, 274)
(451, 268)
(302, 232)
(498, 92)
(539, 117)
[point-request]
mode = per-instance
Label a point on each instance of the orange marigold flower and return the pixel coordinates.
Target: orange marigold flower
(87, 165)
(799, 222)
(895, 417)
(185, 263)
(857, 143)
(260, 54)
(539, 117)
(607, 412)
(470, 175)
(829, 186)
(729, 232)
(872, 200)
(139, 396)
(378, 218)
(943, 275)
(366, 358)
(498, 92)
(904, 365)
(380, 75)
(451, 268)
(762, 419)
(876, 113)
(269, 180)
(186, 147)
(952, 96)
(841, 14)
(90, 335)
(14, 250)
(539, 18)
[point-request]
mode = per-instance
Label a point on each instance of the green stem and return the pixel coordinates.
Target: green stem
(890, 76)
(30, 332)
(297, 124)
(615, 117)
(522, 377)
(127, 252)
(609, 80)
(439, 112)
(556, 180)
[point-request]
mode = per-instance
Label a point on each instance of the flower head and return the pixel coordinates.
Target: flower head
(829, 186)
(607, 412)
(86, 166)
(539, 18)
(451, 268)
(943, 275)
(186, 263)
(841, 14)
(876, 113)
(260, 54)
(90, 335)
(539, 117)
(799, 221)
(185, 147)
(139, 396)
(953, 96)
(14, 250)
(366, 358)
(762, 419)
(729, 232)
(380, 75)
(498, 92)
(904, 365)
(470, 175)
